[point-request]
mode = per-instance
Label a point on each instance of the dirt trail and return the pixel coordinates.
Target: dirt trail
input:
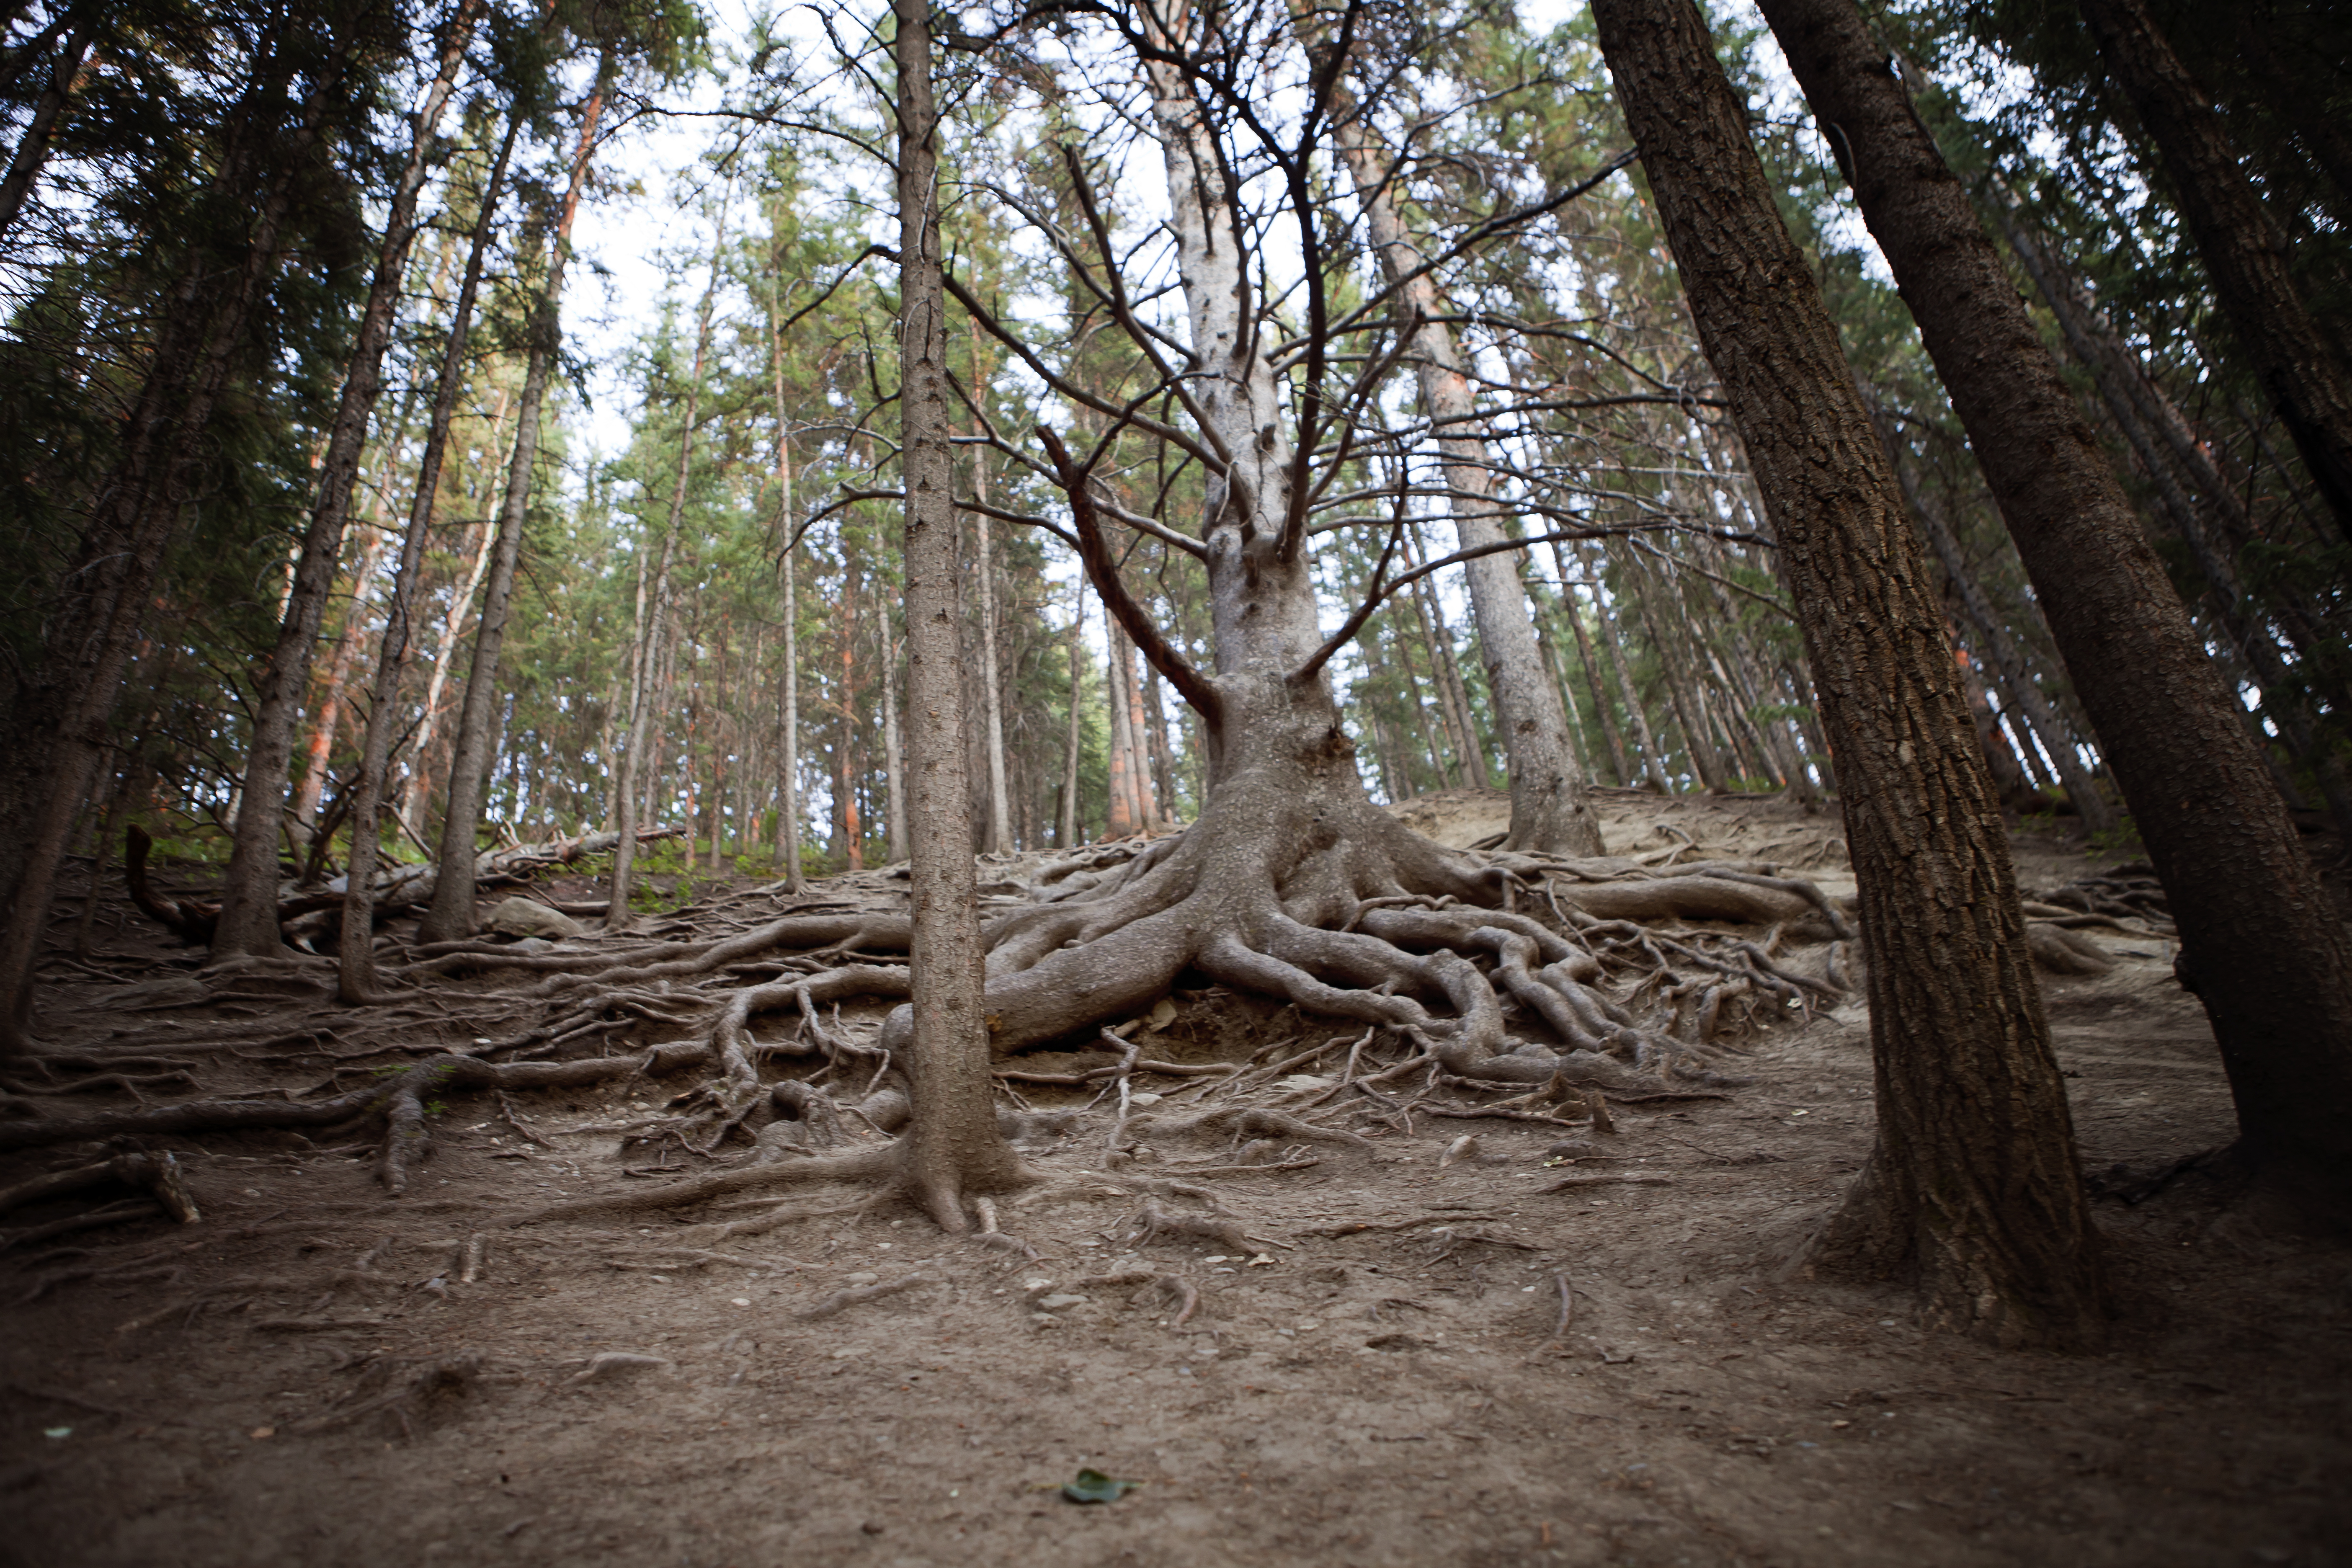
(1380, 1376)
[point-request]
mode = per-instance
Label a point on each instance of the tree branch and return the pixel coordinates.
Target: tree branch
(1104, 574)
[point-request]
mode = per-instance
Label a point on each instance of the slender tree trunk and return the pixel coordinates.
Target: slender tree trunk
(356, 946)
(788, 723)
(1973, 1184)
(249, 917)
(2238, 239)
(893, 752)
(318, 756)
(2260, 941)
(451, 914)
(1651, 759)
(992, 707)
(1574, 610)
(1067, 831)
(1138, 740)
(39, 135)
(418, 798)
(952, 1146)
(2089, 801)
(1443, 759)
(1120, 817)
(1548, 809)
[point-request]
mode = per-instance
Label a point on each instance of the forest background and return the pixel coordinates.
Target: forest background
(308, 466)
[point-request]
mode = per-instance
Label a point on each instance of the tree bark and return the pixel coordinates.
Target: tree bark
(992, 705)
(249, 917)
(1066, 833)
(355, 950)
(2260, 937)
(451, 915)
(2242, 247)
(951, 1147)
(33, 146)
(1548, 810)
(1121, 820)
(788, 722)
(894, 755)
(1973, 1186)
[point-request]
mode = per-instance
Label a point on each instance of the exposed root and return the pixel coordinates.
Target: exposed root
(414, 1385)
(865, 1165)
(1610, 1179)
(159, 1175)
(840, 1301)
(1245, 1122)
(608, 1363)
(1151, 1223)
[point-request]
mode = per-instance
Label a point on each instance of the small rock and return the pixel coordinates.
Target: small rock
(872, 1527)
(532, 945)
(1062, 1302)
(520, 916)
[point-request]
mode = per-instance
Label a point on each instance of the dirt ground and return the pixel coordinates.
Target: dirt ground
(1382, 1377)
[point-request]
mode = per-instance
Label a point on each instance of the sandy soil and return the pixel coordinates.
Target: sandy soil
(1402, 1393)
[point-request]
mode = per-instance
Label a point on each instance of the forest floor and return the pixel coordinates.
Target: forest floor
(1383, 1376)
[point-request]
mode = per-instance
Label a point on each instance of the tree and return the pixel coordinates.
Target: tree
(355, 950)
(248, 918)
(451, 915)
(1972, 1185)
(2241, 241)
(952, 1148)
(2269, 957)
(1548, 810)
(212, 331)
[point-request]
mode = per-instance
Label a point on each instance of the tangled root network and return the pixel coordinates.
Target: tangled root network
(1467, 984)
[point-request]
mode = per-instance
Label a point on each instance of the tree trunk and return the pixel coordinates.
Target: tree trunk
(1574, 611)
(893, 749)
(355, 950)
(1000, 819)
(417, 799)
(451, 915)
(1973, 1185)
(319, 757)
(1120, 815)
(1548, 810)
(788, 722)
(1066, 833)
(2089, 801)
(952, 1146)
(40, 131)
(249, 917)
(2260, 937)
(2240, 241)
(1651, 759)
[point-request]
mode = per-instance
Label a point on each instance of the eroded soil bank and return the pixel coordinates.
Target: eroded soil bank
(1383, 1375)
